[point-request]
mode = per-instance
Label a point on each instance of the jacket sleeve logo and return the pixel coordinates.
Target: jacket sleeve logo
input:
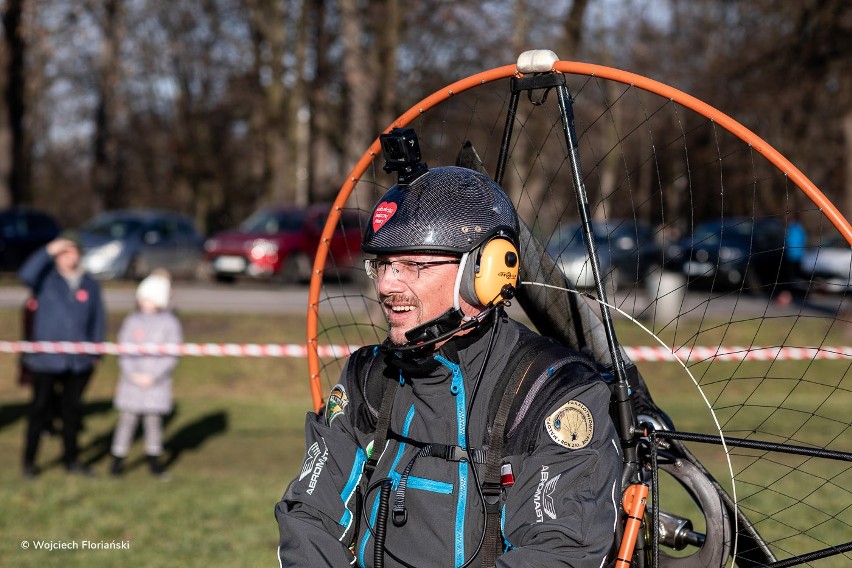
(310, 460)
(314, 462)
(571, 426)
(543, 499)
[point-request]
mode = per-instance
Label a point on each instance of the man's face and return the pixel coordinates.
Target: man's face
(67, 260)
(409, 300)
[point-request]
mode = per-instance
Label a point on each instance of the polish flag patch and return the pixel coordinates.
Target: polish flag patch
(382, 214)
(507, 477)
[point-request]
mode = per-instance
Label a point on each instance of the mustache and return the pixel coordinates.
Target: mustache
(392, 300)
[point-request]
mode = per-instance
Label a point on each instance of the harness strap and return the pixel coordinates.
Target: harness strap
(491, 489)
(455, 453)
(534, 389)
(530, 362)
(374, 381)
(382, 427)
(443, 451)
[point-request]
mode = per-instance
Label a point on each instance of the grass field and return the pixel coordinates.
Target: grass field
(233, 443)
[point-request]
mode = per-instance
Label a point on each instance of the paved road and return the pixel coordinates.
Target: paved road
(196, 297)
(248, 297)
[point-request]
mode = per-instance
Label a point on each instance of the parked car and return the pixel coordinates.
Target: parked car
(627, 252)
(829, 265)
(279, 243)
(734, 252)
(130, 243)
(22, 232)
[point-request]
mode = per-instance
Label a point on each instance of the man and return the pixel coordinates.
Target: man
(795, 241)
(68, 307)
(405, 479)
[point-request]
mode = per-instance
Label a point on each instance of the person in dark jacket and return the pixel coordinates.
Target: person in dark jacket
(422, 491)
(68, 308)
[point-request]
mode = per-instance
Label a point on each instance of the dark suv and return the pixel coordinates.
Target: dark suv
(279, 243)
(22, 231)
(735, 252)
(626, 250)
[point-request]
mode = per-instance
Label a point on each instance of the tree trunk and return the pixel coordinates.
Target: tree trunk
(387, 22)
(269, 34)
(297, 123)
(107, 167)
(573, 30)
(320, 155)
(360, 85)
(14, 163)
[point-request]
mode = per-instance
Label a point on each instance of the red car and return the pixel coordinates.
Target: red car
(279, 244)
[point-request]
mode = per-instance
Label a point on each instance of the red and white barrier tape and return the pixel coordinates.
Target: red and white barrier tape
(651, 353)
(181, 350)
(738, 353)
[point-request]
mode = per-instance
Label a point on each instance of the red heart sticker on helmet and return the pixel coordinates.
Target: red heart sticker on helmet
(384, 211)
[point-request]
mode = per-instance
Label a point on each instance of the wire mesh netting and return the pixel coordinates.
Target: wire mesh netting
(729, 287)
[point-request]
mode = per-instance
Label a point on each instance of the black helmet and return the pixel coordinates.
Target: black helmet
(448, 210)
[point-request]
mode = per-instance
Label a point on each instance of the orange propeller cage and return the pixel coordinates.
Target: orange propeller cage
(644, 83)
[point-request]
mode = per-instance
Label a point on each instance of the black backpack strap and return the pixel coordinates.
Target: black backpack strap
(544, 386)
(382, 427)
(378, 383)
(368, 378)
(372, 385)
(519, 386)
(511, 378)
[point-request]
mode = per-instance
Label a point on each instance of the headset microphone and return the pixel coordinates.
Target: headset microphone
(440, 329)
(448, 322)
(507, 292)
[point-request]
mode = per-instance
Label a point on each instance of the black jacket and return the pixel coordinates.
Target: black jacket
(561, 450)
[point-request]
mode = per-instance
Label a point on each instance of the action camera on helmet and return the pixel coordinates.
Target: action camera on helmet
(401, 151)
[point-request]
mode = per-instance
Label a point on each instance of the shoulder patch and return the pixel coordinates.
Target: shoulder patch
(571, 426)
(337, 402)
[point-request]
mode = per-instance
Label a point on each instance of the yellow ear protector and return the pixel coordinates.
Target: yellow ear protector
(488, 269)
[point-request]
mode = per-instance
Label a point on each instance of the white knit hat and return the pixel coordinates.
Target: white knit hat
(157, 289)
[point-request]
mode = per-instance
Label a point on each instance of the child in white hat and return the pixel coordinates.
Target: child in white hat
(145, 382)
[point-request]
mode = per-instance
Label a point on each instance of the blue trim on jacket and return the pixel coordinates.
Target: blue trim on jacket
(457, 389)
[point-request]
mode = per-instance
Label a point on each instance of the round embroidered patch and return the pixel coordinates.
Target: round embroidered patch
(337, 402)
(571, 426)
